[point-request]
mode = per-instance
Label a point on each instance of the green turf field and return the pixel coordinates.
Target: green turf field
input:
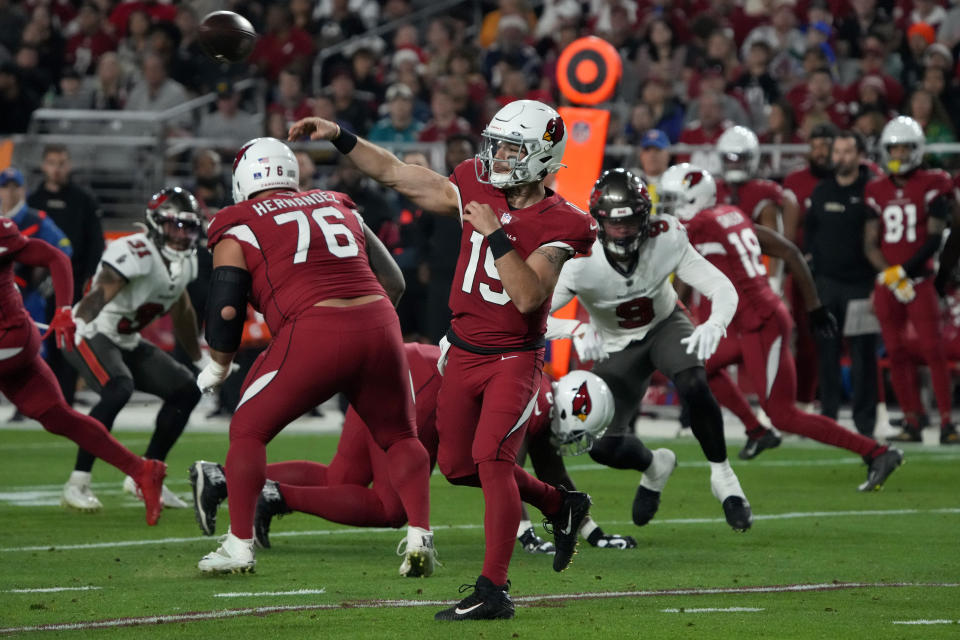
(822, 560)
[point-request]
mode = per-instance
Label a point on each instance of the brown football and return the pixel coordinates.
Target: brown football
(226, 36)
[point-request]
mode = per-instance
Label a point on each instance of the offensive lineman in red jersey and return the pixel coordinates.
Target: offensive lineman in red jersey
(516, 237)
(570, 415)
(313, 268)
(912, 208)
(761, 329)
(29, 383)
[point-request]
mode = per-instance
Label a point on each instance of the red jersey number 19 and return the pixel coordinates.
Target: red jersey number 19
(331, 232)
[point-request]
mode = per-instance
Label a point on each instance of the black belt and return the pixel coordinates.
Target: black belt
(459, 342)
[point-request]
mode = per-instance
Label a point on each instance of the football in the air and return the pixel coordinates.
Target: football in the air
(226, 36)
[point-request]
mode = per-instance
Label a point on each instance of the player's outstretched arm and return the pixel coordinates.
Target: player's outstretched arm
(108, 283)
(384, 266)
(700, 274)
(226, 311)
(38, 253)
(185, 326)
(427, 189)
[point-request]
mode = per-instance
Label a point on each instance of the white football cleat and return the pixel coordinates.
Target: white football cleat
(169, 499)
(419, 556)
(79, 496)
(232, 556)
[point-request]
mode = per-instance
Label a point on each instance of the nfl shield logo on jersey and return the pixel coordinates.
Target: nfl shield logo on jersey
(505, 217)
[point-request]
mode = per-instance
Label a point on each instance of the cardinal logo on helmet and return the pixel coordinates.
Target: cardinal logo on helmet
(693, 178)
(582, 404)
(554, 131)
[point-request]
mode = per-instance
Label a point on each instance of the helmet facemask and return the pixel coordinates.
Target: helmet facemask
(621, 237)
(174, 223)
(501, 162)
(737, 167)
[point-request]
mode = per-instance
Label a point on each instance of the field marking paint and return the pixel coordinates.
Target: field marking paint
(373, 530)
(51, 589)
(257, 594)
(715, 610)
(926, 622)
(381, 604)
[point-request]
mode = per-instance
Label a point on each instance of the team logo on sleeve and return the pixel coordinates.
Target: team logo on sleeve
(554, 132)
(582, 404)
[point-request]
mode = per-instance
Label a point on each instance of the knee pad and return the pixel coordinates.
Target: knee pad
(621, 452)
(693, 388)
(604, 451)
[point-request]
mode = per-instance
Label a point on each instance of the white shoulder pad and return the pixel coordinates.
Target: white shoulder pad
(131, 255)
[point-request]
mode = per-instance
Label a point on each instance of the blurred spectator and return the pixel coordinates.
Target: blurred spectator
(781, 128)
(490, 27)
(275, 126)
(133, 48)
(443, 38)
(307, 179)
(399, 125)
(510, 49)
(822, 97)
(654, 160)
(301, 13)
(369, 11)
(928, 12)
(920, 35)
(640, 120)
(49, 43)
(949, 30)
(616, 24)
(659, 49)
(930, 113)
(109, 87)
(157, 92)
(392, 9)
(937, 82)
(872, 65)
(756, 87)
(363, 65)
(869, 123)
(866, 17)
(282, 46)
(91, 40)
(445, 121)
(349, 108)
(13, 19)
(338, 22)
(786, 41)
(34, 78)
(721, 47)
(16, 102)
(164, 40)
(515, 86)
(209, 184)
(712, 80)
(152, 10)
(289, 98)
(371, 203)
(706, 130)
(667, 110)
(71, 94)
(77, 212)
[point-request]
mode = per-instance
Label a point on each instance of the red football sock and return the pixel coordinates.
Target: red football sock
(302, 473)
(91, 436)
(540, 494)
(821, 429)
(501, 517)
(730, 396)
(246, 471)
(409, 465)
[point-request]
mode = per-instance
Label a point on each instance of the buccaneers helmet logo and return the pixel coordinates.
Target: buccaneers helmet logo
(693, 178)
(554, 131)
(582, 404)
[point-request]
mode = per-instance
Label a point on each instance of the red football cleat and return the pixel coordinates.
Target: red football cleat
(150, 483)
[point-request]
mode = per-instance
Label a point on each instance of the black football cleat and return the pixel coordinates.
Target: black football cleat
(269, 504)
(949, 435)
(565, 526)
(532, 543)
(645, 505)
(209, 490)
(755, 446)
(908, 434)
(880, 469)
(487, 602)
(738, 513)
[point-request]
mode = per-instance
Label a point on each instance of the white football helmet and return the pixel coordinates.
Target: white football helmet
(685, 190)
(902, 130)
(261, 164)
(739, 151)
(540, 136)
(582, 411)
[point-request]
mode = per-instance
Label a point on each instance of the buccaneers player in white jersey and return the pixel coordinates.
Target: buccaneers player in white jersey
(517, 234)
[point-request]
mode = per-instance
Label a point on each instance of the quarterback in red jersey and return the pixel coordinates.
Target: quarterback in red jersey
(355, 488)
(517, 234)
(759, 336)
(309, 263)
(912, 208)
(29, 383)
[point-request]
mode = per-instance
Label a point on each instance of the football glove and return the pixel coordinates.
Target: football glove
(212, 376)
(63, 327)
(588, 343)
(904, 292)
(891, 276)
(704, 339)
(823, 323)
(601, 540)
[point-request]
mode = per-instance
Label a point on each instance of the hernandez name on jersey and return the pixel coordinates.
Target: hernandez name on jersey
(624, 308)
(483, 313)
(151, 290)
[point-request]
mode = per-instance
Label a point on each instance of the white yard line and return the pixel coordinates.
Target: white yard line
(375, 530)
(715, 610)
(259, 594)
(382, 604)
(924, 622)
(51, 589)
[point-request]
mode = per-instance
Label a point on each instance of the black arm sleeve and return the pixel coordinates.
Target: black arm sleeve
(229, 287)
(915, 264)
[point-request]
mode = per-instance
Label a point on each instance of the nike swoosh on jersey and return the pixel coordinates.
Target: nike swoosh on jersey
(3, 249)
(566, 530)
(508, 357)
(461, 612)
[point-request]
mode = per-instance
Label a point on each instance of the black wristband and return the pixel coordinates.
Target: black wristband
(499, 243)
(345, 141)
